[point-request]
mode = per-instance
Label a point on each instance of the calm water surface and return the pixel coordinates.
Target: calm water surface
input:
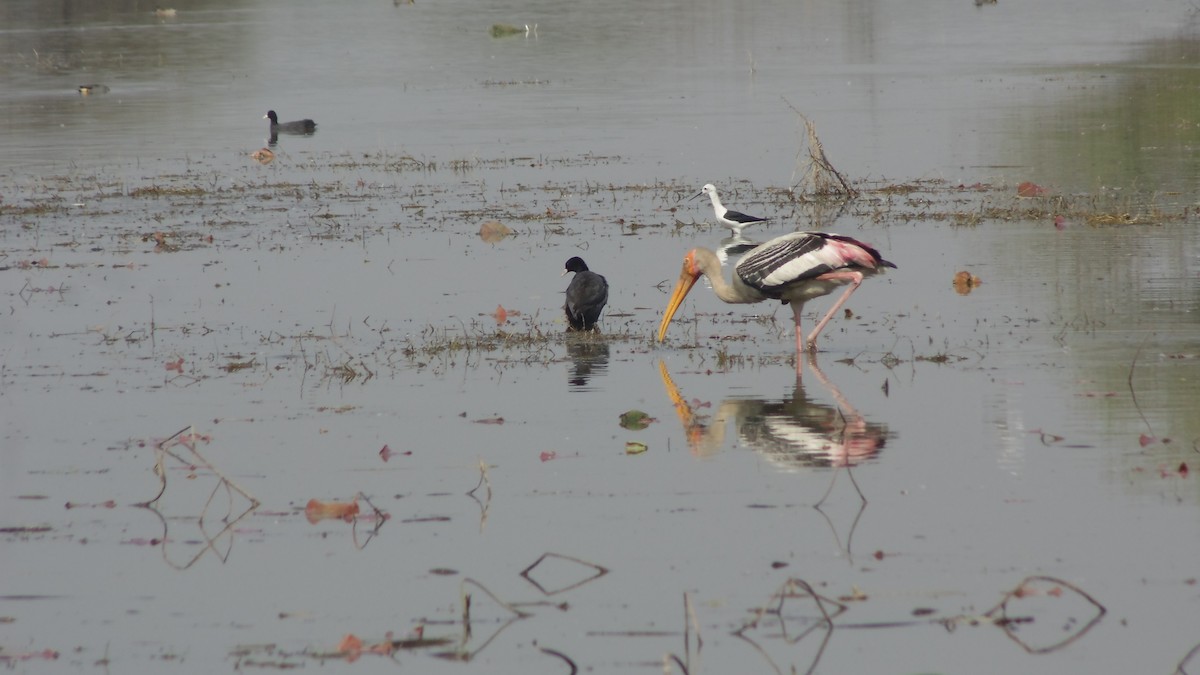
(991, 436)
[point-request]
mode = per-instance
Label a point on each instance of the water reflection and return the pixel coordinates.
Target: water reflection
(1082, 141)
(814, 613)
(589, 356)
(217, 529)
(792, 433)
(1061, 611)
(733, 246)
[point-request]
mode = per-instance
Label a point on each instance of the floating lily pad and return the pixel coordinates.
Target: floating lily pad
(636, 420)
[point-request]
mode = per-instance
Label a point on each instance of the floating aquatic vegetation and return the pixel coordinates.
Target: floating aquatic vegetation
(502, 315)
(506, 30)
(965, 282)
(636, 420)
(386, 453)
(263, 156)
(493, 231)
(316, 510)
(348, 511)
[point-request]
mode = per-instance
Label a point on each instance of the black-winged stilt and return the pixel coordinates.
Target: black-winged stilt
(735, 220)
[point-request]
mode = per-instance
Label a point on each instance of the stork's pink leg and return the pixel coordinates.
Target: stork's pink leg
(797, 309)
(855, 278)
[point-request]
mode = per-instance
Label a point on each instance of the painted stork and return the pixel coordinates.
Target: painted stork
(734, 220)
(793, 268)
(586, 295)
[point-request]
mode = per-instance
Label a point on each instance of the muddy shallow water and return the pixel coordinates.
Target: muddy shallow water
(326, 327)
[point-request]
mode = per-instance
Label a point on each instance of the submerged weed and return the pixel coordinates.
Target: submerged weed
(168, 191)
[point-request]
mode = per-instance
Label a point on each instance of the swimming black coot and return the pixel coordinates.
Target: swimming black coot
(297, 127)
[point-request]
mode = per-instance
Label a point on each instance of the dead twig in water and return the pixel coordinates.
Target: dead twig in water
(484, 505)
(600, 571)
(1187, 657)
(484, 482)
(1132, 391)
(788, 589)
(162, 449)
(210, 541)
(667, 659)
(1024, 589)
(690, 623)
(506, 605)
(380, 518)
(818, 175)
(554, 652)
(187, 437)
(461, 653)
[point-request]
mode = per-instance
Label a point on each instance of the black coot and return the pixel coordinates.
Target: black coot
(297, 127)
(586, 296)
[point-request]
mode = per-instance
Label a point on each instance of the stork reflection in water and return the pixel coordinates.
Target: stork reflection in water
(791, 434)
